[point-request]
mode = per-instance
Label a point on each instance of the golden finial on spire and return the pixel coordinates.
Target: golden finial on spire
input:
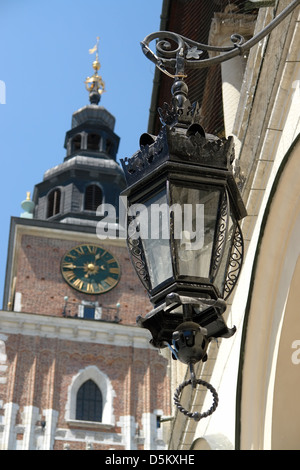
(95, 84)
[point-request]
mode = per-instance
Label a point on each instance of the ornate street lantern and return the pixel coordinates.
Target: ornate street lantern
(183, 232)
(183, 215)
(184, 237)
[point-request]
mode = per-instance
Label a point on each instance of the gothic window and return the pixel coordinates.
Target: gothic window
(93, 197)
(89, 402)
(93, 142)
(53, 203)
(100, 390)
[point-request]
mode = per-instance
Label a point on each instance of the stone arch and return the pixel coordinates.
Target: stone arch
(268, 411)
(93, 141)
(3, 356)
(212, 442)
(76, 143)
(93, 196)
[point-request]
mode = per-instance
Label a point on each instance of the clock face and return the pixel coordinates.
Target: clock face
(90, 269)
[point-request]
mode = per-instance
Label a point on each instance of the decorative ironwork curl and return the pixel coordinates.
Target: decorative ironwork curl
(136, 251)
(235, 262)
(221, 235)
(188, 53)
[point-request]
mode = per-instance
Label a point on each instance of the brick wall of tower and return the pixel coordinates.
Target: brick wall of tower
(42, 351)
(40, 370)
(42, 287)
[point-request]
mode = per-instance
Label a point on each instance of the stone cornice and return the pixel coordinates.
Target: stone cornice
(79, 330)
(61, 231)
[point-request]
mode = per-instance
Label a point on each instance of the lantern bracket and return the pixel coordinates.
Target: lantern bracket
(201, 303)
(190, 54)
(174, 316)
(173, 300)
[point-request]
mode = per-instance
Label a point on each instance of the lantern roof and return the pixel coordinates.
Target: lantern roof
(183, 146)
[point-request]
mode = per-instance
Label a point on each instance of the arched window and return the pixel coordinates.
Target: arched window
(76, 143)
(109, 147)
(53, 203)
(93, 197)
(89, 402)
(103, 384)
(93, 142)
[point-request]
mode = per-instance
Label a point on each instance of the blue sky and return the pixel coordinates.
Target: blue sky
(44, 60)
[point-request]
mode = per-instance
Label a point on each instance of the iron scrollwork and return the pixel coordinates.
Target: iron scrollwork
(174, 51)
(136, 250)
(187, 50)
(235, 262)
(221, 235)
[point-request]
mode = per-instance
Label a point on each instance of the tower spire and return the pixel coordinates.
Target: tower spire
(94, 84)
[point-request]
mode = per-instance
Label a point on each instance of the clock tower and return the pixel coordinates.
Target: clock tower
(76, 372)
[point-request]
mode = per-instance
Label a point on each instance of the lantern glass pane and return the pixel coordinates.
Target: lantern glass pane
(194, 230)
(156, 242)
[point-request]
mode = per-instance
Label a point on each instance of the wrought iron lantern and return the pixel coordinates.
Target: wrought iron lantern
(184, 208)
(184, 236)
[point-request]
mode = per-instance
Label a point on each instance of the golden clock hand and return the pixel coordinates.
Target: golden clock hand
(100, 255)
(75, 266)
(78, 266)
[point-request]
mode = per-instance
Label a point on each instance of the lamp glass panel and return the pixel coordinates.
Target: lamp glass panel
(156, 239)
(194, 219)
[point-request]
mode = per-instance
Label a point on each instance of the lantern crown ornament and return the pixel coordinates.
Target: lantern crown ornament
(181, 137)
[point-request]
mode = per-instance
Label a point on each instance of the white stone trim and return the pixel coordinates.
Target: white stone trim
(9, 422)
(51, 417)
(90, 436)
(153, 435)
(128, 425)
(18, 302)
(3, 364)
(30, 417)
(74, 329)
(275, 269)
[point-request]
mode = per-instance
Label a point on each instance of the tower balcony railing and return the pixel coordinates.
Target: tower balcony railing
(86, 310)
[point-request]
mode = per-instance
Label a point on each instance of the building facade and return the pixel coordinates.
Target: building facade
(255, 98)
(76, 371)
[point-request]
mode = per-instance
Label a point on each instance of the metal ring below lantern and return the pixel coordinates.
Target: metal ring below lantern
(196, 416)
